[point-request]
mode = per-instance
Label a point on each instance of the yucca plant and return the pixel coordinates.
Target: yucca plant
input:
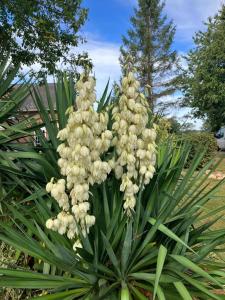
(157, 249)
(161, 252)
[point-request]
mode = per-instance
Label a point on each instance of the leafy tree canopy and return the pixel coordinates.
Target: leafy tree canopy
(204, 80)
(40, 31)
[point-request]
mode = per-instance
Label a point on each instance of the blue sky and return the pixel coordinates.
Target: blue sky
(109, 19)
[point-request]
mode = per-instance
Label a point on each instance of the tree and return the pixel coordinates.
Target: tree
(175, 126)
(76, 62)
(149, 41)
(204, 79)
(40, 31)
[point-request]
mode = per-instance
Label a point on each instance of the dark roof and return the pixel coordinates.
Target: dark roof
(29, 105)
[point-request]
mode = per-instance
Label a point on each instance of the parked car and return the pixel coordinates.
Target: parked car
(220, 138)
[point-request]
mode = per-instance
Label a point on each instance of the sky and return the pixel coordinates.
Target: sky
(108, 20)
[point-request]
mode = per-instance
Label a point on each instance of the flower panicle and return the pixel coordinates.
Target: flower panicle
(84, 140)
(133, 140)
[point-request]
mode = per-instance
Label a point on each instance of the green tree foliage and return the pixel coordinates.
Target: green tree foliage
(179, 126)
(40, 31)
(149, 41)
(175, 126)
(200, 141)
(204, 80)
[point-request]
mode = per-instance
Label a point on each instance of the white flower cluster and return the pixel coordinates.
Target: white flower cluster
(134, 142)
(85, 139)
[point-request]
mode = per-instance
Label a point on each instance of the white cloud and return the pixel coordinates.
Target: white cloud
(105, 57)
(190, 15)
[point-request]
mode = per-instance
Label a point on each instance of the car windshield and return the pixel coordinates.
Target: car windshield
(220, 133)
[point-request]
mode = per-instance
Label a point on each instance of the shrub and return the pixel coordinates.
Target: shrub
(200, 141)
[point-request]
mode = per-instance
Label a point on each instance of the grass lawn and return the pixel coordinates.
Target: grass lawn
(221, 167)
(219, 198)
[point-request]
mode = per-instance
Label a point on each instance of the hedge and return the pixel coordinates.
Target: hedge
(200, 141)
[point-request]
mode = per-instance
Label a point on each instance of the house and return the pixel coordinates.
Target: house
(29, 108)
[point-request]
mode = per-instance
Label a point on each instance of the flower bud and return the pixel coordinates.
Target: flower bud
(49, 223)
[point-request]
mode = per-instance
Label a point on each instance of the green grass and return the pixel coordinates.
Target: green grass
(221, 167)
(219, 199)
